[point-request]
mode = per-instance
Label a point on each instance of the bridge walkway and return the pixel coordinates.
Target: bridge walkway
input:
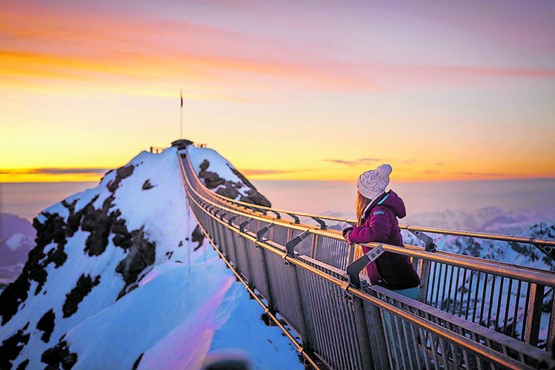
(472, 313)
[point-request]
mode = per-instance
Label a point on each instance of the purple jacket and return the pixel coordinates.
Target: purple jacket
(380, 224)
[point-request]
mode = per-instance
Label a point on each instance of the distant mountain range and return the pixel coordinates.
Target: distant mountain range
(17, 238)
(491, 220)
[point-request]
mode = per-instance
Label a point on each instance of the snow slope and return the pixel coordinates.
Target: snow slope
(116, 281)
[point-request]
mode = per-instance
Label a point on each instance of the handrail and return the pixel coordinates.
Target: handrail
(480, 235)
(463, 337)
(487, 266)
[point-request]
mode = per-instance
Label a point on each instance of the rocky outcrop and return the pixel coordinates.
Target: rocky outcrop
(241, 177)
(198, 237)
(11, 347)
(147, 185)
(13, 295)
(59, 356)
(137, 361)
(98, 222)
(211, 179)
(140, 255)
(53, 230)
(23, 365)
(75, 218)
(230, 188)
(46, 325)
(255, 197)
(121, 173)
(78, 293)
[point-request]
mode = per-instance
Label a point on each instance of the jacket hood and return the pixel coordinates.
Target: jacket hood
(390, 200)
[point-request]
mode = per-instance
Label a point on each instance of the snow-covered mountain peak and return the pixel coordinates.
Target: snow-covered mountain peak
(119, 278)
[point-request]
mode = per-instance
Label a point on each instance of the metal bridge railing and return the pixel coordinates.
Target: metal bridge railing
(299, 270)
(547, 246)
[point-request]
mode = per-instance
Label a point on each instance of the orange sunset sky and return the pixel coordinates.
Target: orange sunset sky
(296, 90)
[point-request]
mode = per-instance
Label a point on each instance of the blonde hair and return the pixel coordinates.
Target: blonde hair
(361, 203)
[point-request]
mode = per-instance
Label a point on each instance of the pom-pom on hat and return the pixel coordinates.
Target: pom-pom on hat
(372, 183)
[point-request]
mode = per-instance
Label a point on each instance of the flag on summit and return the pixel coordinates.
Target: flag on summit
(181, 96)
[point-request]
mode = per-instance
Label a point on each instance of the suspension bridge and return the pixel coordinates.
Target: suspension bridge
(472, 313)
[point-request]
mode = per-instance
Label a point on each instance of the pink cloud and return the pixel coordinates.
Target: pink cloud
(60, 42)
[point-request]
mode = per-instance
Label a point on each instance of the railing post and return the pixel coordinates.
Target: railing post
(291, 244)
(376, 335)
(370, 331)
(424, 279)
(306, 330)
(534, 314)
(551, 329)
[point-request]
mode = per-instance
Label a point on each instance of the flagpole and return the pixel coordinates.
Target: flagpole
(181, 115)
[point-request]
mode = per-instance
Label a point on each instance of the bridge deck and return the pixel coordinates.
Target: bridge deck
(472, 313)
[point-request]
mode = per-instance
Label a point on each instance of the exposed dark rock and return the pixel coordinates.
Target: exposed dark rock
(182, 143)
(13, 295)
(11, 347)
(241, 177)
(113, 186)
(119, 227)
(124, 172)
(59, 356)
(78, 293)
(121, 173)
(132, 287)
(106, 174)
(137, 362)
(23, 365)
(197, 236)
(211, 179)
(98, 222)
(58, 256)
(255, 197)
(52, 230)
(139, 256)
(229, 192)
(209, 176)
(147, 185)
(127, 289)
(122, 238)
(74, 218)
(46, 325)
(214, 184)
(266, 319)
(204, 165)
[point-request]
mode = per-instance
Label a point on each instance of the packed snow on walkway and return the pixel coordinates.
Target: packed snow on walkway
(117, 282)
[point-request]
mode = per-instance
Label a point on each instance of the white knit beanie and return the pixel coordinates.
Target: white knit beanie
(372, 183)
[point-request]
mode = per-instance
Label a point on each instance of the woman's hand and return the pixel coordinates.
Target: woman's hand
(347, 233)
(347, 237)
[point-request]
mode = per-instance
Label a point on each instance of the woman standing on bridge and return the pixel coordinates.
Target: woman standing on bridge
(377, 212)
